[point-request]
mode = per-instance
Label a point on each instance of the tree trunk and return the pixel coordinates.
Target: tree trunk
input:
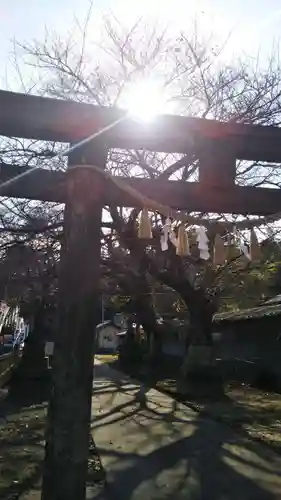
(33, 364)
(147, 318)
(199, 370)
(68, 425)
(200, 349)
(133, 353)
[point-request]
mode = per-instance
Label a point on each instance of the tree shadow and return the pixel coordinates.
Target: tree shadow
(15, 490)
(160, 462)
(25, 393)
(205, 473)
(246, 419)
(22, 436)
(255, 416)
(21, 454)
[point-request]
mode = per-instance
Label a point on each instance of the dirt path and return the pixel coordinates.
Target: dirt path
(155, 448)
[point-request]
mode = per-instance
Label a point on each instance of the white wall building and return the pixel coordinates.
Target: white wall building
(107, 336)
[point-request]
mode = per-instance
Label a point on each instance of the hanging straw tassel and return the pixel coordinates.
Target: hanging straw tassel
(219, 254)
(165, 235)
(203, 243)
(182, 242)
(145, 231)
(255, 251)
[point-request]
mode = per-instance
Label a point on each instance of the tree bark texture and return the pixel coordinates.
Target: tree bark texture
(69, 411)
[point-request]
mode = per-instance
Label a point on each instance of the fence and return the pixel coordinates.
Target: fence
(10, 359)
(8, 363)
(250, 348)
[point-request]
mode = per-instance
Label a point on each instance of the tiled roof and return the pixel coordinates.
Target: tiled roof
(100, 326)
(268, 309)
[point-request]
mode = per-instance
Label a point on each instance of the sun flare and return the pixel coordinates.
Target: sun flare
(145, 99)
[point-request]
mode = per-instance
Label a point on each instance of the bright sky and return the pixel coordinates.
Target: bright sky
(253, 23)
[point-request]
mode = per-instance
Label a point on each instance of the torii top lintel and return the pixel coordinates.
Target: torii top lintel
(34, 117)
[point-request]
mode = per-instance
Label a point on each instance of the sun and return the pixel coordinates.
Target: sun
(145, 99)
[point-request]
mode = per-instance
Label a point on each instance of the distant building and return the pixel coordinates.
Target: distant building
(120, 320)
(108, 336)
(248, 341)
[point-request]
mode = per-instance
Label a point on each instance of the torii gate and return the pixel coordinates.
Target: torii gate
(216, 145)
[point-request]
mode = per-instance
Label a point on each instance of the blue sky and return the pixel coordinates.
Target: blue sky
(253, 23)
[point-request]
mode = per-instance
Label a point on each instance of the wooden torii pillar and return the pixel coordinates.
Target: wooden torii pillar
(69, 411)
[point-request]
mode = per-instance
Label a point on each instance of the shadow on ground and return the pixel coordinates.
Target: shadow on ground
(154, 447)
(250, 411)
(23, 412)
(22, 423)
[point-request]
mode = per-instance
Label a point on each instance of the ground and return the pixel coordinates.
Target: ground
(22, 427)
(249, 412)
(156, 448)
(246, 409)
(22, 448)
